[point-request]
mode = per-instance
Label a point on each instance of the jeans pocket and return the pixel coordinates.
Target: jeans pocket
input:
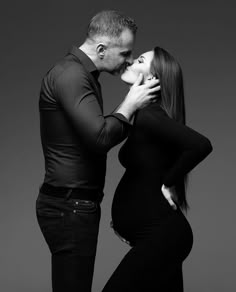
(51, 222)
(84, 222)
(84, 206)
(50, 213)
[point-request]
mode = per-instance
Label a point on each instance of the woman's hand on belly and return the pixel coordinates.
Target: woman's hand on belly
(169, 194)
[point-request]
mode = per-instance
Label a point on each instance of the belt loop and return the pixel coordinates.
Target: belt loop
(68, 194)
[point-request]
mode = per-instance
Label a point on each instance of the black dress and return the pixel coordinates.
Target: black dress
(158, 151)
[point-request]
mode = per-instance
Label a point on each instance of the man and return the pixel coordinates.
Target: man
(76, 138)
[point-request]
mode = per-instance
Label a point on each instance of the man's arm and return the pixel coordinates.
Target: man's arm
(79, 102)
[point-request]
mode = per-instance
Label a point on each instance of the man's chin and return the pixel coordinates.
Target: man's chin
(113, 72)
(117, 73)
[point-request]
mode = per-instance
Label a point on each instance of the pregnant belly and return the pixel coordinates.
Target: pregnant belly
(136, 205)
(172, 231)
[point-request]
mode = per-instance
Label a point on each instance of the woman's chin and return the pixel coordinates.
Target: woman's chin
(125, 79)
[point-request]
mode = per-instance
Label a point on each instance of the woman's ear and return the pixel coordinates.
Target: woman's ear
(101, 50)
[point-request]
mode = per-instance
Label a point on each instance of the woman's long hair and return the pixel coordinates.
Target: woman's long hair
(168, 71)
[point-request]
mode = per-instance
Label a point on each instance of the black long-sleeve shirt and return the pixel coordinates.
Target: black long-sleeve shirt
(159, 143)
(74, 133)
(159, 151)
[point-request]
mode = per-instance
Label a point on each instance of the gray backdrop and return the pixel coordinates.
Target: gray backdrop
(201, 34)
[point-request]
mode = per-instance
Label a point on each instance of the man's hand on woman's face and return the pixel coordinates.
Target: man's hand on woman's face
(144, 93)
(139, 96)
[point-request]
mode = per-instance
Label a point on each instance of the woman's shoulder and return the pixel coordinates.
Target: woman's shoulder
(152, 110)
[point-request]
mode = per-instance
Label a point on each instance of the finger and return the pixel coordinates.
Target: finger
(151, 83)
(154, 89)
(170, 201)
(121, 238)
(139, 80)
(152, 98)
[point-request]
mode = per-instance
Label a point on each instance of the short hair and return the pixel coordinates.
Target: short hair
(110, 23)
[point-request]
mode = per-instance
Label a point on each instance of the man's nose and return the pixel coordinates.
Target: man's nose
(130, 60)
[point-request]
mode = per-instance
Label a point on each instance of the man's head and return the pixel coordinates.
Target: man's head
(110, 41)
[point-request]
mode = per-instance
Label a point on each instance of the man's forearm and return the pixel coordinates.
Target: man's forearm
(126, 109)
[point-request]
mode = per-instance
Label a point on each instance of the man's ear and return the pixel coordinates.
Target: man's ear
(101, 50)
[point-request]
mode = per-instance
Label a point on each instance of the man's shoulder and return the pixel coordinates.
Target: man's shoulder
(67, 68)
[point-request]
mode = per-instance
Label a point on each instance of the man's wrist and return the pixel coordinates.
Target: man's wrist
(126, 110)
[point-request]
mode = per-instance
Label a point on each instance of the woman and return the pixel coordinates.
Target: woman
(149, 200)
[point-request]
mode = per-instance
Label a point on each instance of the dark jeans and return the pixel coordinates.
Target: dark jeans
(70, 228)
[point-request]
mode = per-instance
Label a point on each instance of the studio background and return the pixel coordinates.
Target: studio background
(201, 35)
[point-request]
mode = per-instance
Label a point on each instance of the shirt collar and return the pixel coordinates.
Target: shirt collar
(85, 60)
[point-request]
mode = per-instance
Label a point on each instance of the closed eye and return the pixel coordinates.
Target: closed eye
(140, 59)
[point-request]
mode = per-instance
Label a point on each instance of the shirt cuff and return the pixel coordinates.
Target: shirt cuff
(120, 117)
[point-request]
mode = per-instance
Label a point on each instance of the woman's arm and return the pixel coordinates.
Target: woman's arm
(192, 146)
